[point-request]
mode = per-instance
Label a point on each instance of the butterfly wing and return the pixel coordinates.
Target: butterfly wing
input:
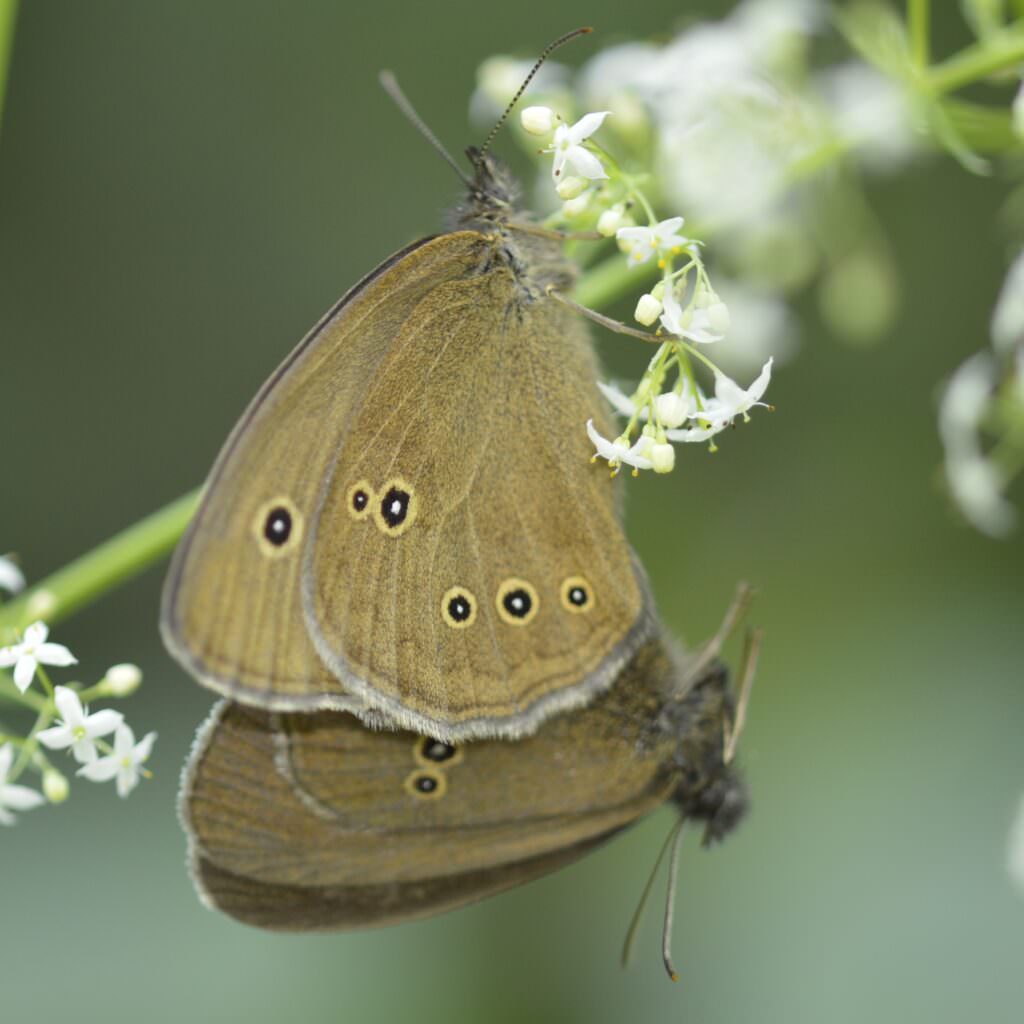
(232, 610)
(487, 583)
(314, 821)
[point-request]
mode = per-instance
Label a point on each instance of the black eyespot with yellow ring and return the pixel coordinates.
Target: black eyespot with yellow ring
(576, 594)
(430, 752)
(517, 601)
(395, 507)
(458, 608)
(426, 784)
(359, 500)
(277, 527)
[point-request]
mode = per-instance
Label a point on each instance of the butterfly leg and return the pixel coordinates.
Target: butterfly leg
(605, 321)
(748, 669)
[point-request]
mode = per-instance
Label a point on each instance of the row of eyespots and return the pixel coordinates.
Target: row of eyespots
(516, 601)
(393, 509)
(429, 782)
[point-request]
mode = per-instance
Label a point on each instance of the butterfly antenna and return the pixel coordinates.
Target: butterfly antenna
(634, 924)
(670, 902)
(548, 50)
(394, 90)
(751, 652)
(733, 616)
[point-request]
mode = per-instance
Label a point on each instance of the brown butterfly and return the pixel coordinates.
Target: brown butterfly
(406, 523)
(314, 822)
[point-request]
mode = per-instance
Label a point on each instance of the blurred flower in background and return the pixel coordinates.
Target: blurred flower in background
(740, 126)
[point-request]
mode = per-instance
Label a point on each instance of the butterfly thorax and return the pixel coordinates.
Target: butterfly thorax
(709, 789)
(490, 207)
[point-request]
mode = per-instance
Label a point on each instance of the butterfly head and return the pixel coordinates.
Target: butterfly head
(710, 788)
(492, 194)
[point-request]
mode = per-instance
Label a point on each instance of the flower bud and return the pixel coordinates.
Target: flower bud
(658, 291)
(671, 409)
(123, 680)
(662, 456)
(574, 207)
(55, 786)
(611, 220)
(718, 317)
(648, 309)
(538, 120)
(41, 606)
(571, 187)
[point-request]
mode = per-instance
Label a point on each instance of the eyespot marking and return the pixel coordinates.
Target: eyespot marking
(359, 500)
(576, 594)
(517, 601)
(277, 527)
(458, 608)
(430, 752)
(394, 510)
(426, 784)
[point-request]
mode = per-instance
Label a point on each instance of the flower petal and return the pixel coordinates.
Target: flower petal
(127, 780)
(69, 706)
(620, 402)
(57, 737)
(9, 655)
(586, 163)
(100, 770)
(586, 126)
(11, 577)
(55, 654)
(37, 633)
(144, 747)
(85, 751)
(21, 798)
(103, 722)
(24, 672)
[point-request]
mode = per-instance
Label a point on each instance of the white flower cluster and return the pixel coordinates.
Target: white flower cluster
(985, 399)
(687, 309)
(63, 721)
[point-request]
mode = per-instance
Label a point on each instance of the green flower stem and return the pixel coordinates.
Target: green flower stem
(919, 25)
(8, 16)
(1000, 53)
(115, 561)
(29, 699)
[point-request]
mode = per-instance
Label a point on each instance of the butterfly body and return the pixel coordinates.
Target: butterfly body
(406, 524)
(314, 822)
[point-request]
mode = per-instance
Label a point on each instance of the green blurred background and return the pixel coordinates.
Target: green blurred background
(184, 188)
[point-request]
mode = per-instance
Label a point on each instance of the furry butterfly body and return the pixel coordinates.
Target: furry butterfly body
(405, 524)
(304, 822)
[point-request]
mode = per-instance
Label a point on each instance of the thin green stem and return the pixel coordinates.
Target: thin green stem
(28, 748)
(10, 692)
(919, 26)
(119, 559)
(8, 16)
(976, 62)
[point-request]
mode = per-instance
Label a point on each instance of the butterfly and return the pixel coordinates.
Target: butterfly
(406, 523)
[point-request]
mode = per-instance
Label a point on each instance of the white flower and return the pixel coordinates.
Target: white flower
(1008, 316)
(538, 120)
(731, 400)
(693, 324)
(16, 798)
(648, 309)
(619, 451)
(568, 147)
(694, 435)
(620, 401)
(964, 403)
(125, 762)
(78, 729)
(574, 207)
(644, 243)
(123, 680)
(11, 577)
(32, 652)
(977, 486)
(871, 112)
(1015, 858)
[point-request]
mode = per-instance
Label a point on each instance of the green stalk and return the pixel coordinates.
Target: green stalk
(121, 558)
(919, 26)
(979, 61)
(8, 16)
